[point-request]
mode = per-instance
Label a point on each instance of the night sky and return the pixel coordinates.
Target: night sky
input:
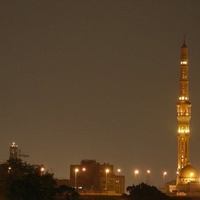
(97, 79)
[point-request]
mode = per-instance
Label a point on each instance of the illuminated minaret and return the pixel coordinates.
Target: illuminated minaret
(13, 151)
(183, 111)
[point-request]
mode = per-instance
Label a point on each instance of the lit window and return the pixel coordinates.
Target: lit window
(183, 98)
(183, 62)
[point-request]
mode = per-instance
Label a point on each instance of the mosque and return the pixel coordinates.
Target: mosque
(187, 180)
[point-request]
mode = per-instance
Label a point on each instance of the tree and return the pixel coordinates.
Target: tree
(145, 192)
(22, 181)
(67, 193)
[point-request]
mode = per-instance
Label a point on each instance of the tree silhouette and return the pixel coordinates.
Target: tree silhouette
(22, 181)
(67, 193)
(145, 192)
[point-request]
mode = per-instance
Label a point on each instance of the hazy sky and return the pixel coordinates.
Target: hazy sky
(96, 79)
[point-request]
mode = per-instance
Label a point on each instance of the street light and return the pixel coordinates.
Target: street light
(83, 169)
(136, 172)
(42, 169)
(107, 171)
(164, 175)
(148, 174)
(9, 170)
(76, 171)
(83, 181)
(118, 180)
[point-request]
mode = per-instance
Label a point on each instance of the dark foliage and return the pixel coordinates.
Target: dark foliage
(21, 181)
(145, 192)
(66, 193)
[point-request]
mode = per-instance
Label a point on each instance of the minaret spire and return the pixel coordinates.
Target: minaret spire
(183, 110)
(184, 45)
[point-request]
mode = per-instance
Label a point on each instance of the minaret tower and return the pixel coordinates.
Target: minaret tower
(13, 151)
(183, 110)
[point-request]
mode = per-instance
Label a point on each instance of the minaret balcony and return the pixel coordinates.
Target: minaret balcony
(184, 130)
(183, 62)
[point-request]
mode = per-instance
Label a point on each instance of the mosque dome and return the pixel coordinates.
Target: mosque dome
(188, 171)
(188, 174)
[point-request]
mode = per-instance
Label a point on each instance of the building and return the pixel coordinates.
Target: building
(186, 174)
(14, 151)
(92, 177)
